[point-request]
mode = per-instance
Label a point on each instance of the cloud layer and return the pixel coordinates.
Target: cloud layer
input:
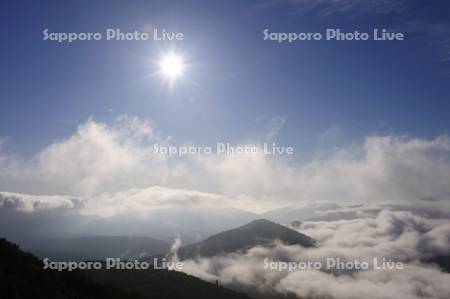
(106, 170)
(102, 162)
(393, 234)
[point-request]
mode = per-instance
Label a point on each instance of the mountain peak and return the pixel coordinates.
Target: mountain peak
(260, 232)
(261, 221)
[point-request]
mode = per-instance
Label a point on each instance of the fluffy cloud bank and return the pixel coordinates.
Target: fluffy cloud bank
(106, 204)
(101, 160)
(391, 233)
(31, 203)
(96, 158)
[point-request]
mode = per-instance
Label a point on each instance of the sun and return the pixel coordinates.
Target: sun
(171, 66)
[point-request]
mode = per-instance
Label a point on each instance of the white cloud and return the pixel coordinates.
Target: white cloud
(31, 203)
(397, 235)
(102, 160)
(412, 282)
(109, 169)
(105, 204)
(97, 158)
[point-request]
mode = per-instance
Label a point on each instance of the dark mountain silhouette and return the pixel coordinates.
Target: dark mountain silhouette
(22, 276)
(164, 284)
(258, 232)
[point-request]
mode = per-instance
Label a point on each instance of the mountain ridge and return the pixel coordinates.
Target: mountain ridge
(257, 232)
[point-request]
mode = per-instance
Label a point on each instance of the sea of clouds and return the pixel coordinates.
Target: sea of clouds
(402, 234)
(401, 186)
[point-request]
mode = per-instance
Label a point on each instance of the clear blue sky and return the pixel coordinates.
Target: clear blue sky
(237, 81)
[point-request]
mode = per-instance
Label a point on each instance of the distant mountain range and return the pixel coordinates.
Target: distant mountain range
(94, 247)
(258, 232)
(191, 224)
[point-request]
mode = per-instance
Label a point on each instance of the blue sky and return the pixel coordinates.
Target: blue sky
(369, 122)
(237, 83)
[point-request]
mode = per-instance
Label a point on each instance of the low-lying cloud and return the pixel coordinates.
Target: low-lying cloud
(393, 234)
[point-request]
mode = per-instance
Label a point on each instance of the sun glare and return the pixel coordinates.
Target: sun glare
(172, 66)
